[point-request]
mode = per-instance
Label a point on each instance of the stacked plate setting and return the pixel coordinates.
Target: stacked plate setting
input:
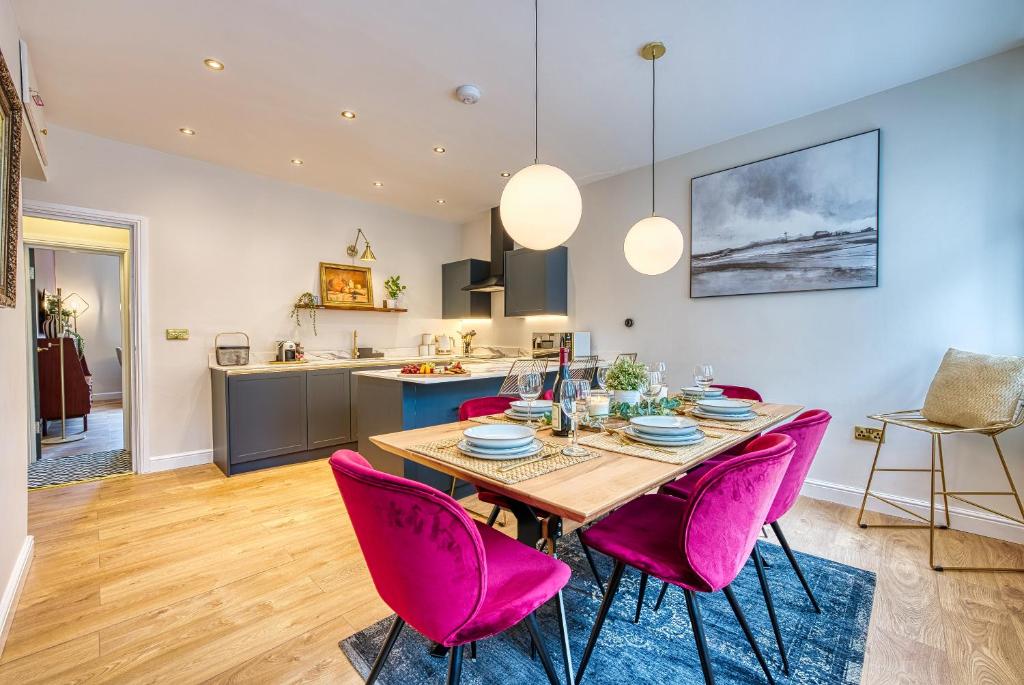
(725, 410)
(499, 441)
(520, 410)
(695, 393)
(664, 431)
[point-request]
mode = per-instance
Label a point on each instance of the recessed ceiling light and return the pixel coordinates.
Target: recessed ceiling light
(439, 150)
(506, 174)
(187, 131)
(348, 114)
(439, 200)
(378, 184)
(213, 64)
(297, 162)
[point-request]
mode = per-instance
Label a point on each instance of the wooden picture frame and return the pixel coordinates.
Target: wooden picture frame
(10, 180)
(346, 286)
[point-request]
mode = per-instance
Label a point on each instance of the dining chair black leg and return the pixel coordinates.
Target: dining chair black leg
(495, 510)
(455, 665)
(796, 566)
(385, 649)
(640, 596)
(766, 591)
(661, 596)
(590, 560)
(765, 560)
(748, 633)
(697, 623)
(545, 658)
(602, 614)
(472, 650)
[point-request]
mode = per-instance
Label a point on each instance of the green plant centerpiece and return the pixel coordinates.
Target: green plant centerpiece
(393, 286)
(625, 379)
(307, 302)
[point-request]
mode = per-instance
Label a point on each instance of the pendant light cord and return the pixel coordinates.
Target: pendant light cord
(536, 81)
(654, 91)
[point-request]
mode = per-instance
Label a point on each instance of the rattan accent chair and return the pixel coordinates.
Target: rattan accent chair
(995, 392)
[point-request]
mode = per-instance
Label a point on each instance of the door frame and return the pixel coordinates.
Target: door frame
(134, 321)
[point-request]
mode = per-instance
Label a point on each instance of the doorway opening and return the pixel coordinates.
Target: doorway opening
(80, 328)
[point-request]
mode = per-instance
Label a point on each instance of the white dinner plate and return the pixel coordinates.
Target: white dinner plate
(663, 441)
(516, 416)
(711, 392)
(496, 436)
(523, 407)
(725, 417)
(725, 406)
(668, 426)
(499, 455)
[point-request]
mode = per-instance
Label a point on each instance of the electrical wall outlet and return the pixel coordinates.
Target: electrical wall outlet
(866, 433)
(177, 334)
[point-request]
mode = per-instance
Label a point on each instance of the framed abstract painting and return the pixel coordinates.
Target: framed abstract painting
(804, 220)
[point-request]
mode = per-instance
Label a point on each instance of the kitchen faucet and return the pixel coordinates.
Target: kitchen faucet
(355, 344)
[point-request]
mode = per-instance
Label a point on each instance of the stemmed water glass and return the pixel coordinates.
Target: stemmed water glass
(601, 376)
(703, 376)
(651, 388)
(531, 383)
(573, 396)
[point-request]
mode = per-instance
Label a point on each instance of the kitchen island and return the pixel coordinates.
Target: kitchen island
(390, 401)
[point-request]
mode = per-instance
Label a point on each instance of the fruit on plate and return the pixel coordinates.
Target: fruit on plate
(419, 369)
(456, 368)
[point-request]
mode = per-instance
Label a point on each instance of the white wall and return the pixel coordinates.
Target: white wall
(230, 251)
(97, 278)
(951, 272)
(14, 399)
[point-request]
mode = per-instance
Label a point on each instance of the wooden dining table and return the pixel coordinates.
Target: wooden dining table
(580, 493)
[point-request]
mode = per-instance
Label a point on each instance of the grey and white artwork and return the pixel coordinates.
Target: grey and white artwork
(806, 220)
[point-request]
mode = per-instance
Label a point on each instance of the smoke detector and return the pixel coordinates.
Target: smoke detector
(468, 94)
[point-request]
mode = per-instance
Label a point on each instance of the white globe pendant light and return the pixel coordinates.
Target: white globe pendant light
(655, 244)
(541, 205)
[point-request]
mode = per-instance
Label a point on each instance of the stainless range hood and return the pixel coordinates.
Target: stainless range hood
(500, 243)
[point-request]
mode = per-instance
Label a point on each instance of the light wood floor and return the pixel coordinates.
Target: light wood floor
(186, 576)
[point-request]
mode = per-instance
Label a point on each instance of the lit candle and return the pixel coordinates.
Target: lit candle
(597, 405)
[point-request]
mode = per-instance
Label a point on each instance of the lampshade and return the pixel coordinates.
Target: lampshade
(75, 303)
(653, 245)
(368, 255)
(541, 207)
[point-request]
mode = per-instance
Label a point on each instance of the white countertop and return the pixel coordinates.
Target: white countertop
(264, 367)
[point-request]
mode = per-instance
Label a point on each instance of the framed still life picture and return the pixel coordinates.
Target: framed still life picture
(804, 220)
(345, 285)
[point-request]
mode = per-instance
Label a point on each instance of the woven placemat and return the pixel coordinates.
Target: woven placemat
(669, 455)
(763, 420)
(501, 418)
(551, 459)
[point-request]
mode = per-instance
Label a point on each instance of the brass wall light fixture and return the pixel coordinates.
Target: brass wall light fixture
(353, 249)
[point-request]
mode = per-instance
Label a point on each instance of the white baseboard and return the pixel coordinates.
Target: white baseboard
(970, 520)
(103, 396)
(12, 591)
(166, 462)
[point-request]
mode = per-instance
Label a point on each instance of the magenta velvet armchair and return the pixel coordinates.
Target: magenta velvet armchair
(699, 543)
(739, 392)
(469, 581)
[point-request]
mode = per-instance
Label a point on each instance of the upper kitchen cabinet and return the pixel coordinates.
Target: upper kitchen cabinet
(536, 282)
(458, 303)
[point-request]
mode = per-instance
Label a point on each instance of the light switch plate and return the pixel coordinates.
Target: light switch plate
(177, 334)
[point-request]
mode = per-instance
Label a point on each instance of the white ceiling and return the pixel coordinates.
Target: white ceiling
(133, 71)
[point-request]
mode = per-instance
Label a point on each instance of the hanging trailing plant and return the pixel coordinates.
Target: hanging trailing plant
(307, 301)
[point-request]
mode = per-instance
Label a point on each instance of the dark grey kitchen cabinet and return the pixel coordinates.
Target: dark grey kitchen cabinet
(456, 303)
(328, 408)
(537, 282)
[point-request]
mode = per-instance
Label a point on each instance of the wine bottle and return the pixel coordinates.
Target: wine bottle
(560, 422)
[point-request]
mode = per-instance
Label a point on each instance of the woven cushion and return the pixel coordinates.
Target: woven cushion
(974, 390)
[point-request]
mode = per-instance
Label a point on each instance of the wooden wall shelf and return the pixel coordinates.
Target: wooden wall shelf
(352, 309)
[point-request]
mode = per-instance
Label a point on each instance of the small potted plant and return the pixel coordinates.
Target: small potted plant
(393, 286)
(625, 378)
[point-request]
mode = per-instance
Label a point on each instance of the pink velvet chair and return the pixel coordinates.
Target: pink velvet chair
(738, 392)
(484, 406)
(699, 543)
(468, 581)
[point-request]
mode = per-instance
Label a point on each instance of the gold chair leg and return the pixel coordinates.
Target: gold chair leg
(871, 477)
(942, 472)
(931, 511)
(1009, 478)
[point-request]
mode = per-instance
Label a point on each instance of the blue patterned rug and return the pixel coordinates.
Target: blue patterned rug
(825, 649)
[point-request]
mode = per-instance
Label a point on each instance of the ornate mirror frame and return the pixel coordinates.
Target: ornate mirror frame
(10, 179)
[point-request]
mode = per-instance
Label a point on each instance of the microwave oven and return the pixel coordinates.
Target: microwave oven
(545, 345)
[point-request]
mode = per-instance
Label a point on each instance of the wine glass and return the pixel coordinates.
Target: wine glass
(601, 376)
(530, 385)
(652, 388)
(573, 396)
(662, 368)
(703, 376)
